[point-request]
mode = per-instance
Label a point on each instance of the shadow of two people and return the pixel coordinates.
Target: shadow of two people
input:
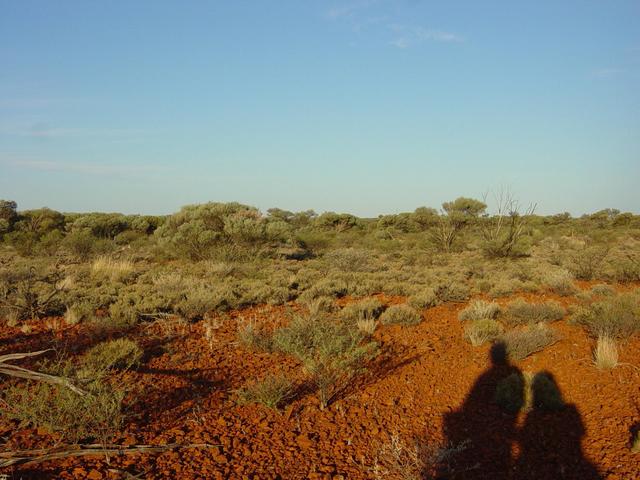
(548, 441)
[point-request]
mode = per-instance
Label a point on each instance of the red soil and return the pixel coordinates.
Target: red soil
(422, 386)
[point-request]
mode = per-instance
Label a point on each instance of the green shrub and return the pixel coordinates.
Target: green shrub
(349, 260)
(520, 312)
(254, 336)
(369, 308)
(400, 315)
(272, 391)
(96, 415)
(320, 305)
(479, 309)
(521, 343)
(603, 290)
(120, 354)
(331, 352)
(452, 292)
(478, 332)
(616, 317)
(424, 298)
(560, 282)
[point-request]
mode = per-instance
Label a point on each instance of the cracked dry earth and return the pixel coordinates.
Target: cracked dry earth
(426, 383)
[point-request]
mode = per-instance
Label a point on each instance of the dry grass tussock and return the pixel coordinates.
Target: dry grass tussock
(605, 354)
(116, 270)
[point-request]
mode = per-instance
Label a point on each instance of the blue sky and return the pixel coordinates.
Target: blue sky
(362, 106)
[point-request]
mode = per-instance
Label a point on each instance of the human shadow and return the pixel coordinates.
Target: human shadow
(481, 428)
(550, 438)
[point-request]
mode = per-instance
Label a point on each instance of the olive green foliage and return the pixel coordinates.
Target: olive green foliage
(616, 317)
(369, 308)
(30, 291)
(272, 391)
(521, 343)
(424, 298)
(457, 215)
(482, 330)
(520, 312)
(97, 415)
(401, 315)
(120, 354)
(197, 230)
(480, 309)
(332, 353)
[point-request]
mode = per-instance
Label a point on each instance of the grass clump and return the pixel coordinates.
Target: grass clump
(521, 312)
(272, 391)
(605, 354)
(367, 309)
(254, 337)
(332, 353)
(115, 270)
(521, 343)
(616, 317)
(400, 315)
(424, 298)
(120, 354)
(560, 282)
(481, 331)
(480, 309)
(95, 415)
(603, 290)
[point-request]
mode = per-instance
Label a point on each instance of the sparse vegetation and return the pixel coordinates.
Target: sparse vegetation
(272, 391)
(520, 343)
(400, 315)
(332, 353)
(520, 312)
(616, 317)
(481, 331)
(480, 309)
(605, 354)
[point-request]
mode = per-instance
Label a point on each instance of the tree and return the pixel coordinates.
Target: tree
(456, 216)
(503, 233)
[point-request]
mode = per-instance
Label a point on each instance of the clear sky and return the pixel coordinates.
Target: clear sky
(359, 106)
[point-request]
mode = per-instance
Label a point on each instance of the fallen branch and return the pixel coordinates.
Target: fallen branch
(14, 371)
(31, 457)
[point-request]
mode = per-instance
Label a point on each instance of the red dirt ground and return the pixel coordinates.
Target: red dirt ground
(423, 384)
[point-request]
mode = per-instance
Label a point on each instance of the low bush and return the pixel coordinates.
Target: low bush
(520, 312)
(369, 308)
(96, 415)
(332, 353)
(400, 315)
(453, 292)
(115, 270)
(479, 309)
(603, 290)
(616, 317)
(478, 332)
(253, 336)
(120, 354)
(424, 298)
(272, 391)
(560, 282)
(521, 343)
